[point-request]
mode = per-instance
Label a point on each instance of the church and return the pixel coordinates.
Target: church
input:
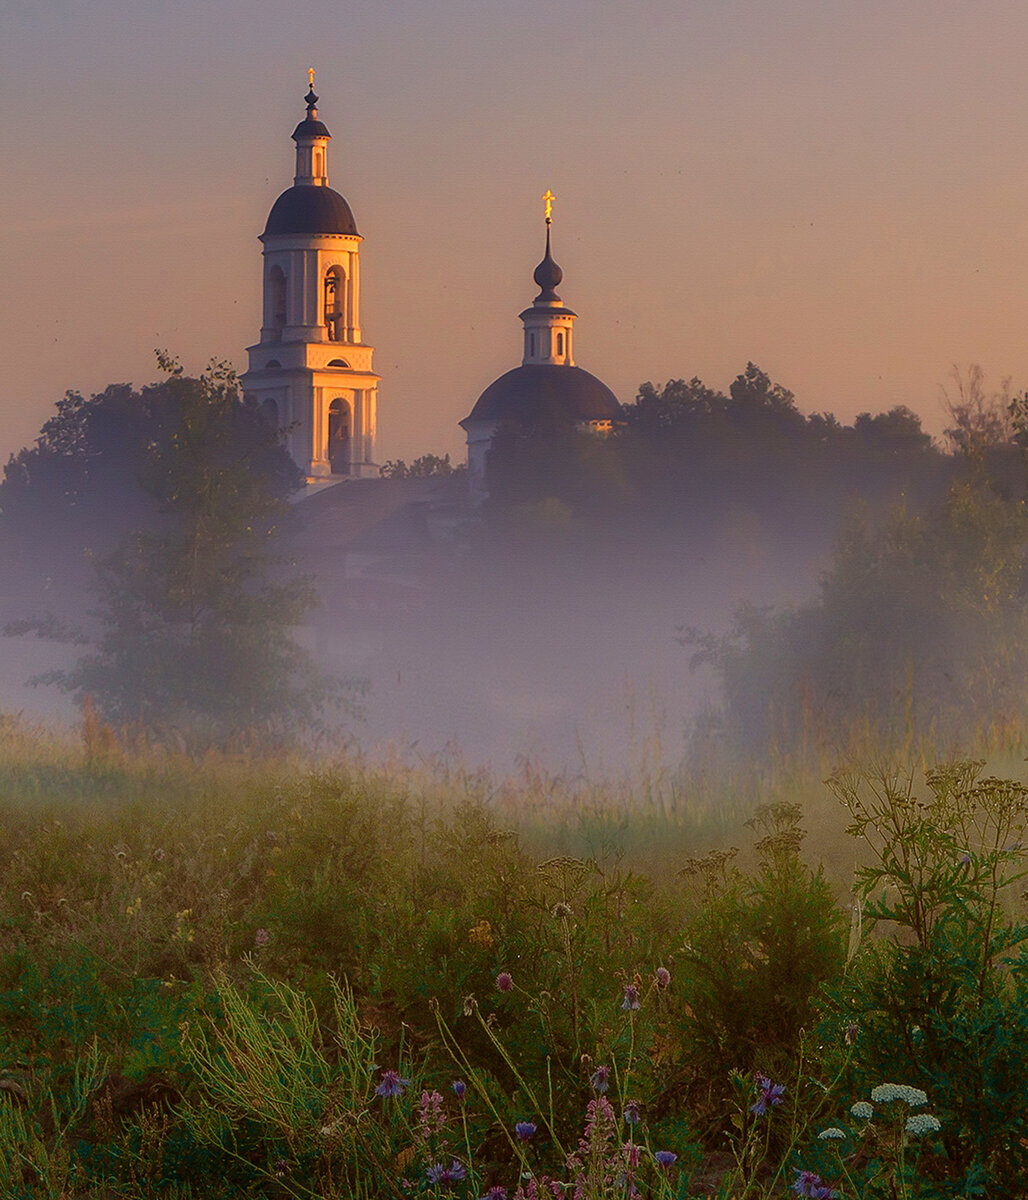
(311, 371)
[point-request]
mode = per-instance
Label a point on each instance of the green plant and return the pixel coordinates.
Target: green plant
(940, 1001)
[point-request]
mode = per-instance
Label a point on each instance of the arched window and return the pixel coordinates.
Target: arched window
(339, 362)
(277, 298)
(272, 362)
(335, 295)
(269, 411)
(339, 436)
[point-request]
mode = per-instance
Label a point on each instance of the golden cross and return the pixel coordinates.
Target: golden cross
(549, 198)
(310, 77)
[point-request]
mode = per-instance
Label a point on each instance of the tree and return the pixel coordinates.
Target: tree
(192, 629)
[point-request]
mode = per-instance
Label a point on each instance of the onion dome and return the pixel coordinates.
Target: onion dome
(538, 391)
(310, 126)
(547, 274)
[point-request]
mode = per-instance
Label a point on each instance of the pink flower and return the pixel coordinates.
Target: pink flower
(504, 982)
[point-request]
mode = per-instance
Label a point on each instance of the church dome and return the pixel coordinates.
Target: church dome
(537, 390)
(306, 208)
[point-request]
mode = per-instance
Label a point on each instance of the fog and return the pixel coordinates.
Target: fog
(554, 661)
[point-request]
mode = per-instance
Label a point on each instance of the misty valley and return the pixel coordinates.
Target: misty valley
(650, 825)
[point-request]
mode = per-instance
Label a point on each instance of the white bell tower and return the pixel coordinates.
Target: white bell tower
(311, 370)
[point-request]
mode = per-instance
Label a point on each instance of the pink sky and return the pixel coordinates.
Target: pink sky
(834, 189)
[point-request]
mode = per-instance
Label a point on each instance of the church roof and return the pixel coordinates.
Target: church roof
(537, 390)
(310, 128)
(307, 208)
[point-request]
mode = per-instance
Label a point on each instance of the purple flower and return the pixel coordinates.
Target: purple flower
(504, 982)
(447, 1176)
(459, 1088)
(524, 1130)
(631, 997)
(769, 1095)
(599, 1080)
(665, 1158)
(261, 938)
(495, 1193)
(631, 1113)
(392, 1084)
(807, 1183)
(663, 977)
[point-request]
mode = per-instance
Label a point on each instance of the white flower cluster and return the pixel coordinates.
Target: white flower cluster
(863, 1110)
(922, 1123)
(885, 1093)
(831, 1132)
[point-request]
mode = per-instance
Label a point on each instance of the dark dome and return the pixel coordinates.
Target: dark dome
(310, 128)
(529, 393)
(307, 208)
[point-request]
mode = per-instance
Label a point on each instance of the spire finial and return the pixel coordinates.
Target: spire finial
(310, 98)
(548, 199)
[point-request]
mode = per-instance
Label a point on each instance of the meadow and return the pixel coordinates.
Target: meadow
(243, 977)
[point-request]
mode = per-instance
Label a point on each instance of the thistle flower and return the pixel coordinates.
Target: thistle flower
(392, 1084)
(525, 1130)
(446, 1176)
(504, 982)
(807, 1183)
(495, 1193)
(665, 1158)
(630, 1000)
(631, 1113)
(769, 1095)
(459, 1088)
(922, 1123)
(663, 977)
(599, 1080)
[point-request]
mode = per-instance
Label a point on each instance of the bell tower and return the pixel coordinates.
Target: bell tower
(311, 371)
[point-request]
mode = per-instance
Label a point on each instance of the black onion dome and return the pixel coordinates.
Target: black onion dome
(547, 274)
(538, 390)
(308, 208)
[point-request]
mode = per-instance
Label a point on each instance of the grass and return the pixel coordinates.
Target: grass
(206, 965)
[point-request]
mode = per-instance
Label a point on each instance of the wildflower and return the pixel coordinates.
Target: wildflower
(665, 1158)
(863, 1110)
(631, 1113)
(964, 860)
(852, 1030)
(481, 935)
(281, 1166)
(447, 1176)
(159, 854)
(663, 977)
(525, 1130)
(885, 1093)
(560, 909)
(459, 1088)
(631, 997)
(392, 1084)
(769, 1095)
(261, 938)
(833, 1132)
(495, 1193)
(922, 1123)
(431, 1118)
(470, 1003)
(631, 1153)
(807, 1183)
(599, 1080)
(504, 982)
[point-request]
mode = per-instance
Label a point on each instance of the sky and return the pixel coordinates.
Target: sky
(836, 190)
